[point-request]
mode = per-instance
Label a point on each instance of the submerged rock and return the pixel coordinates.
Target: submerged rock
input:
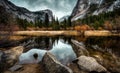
(52, 65)
(10, 57)
(89, 64)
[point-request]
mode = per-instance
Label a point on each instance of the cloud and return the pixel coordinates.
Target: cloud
(60, 8)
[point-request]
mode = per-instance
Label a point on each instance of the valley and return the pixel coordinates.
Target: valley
(34, 39)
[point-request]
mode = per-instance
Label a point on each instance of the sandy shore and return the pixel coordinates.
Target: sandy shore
(100, 33)
(65, 33)
(46, 33)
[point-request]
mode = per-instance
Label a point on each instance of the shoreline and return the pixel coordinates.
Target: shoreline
(47, 33)
(100, 33)
(64, 33)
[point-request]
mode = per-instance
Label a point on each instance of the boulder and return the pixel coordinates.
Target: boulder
(10, 57)
(52, 65)
(89, 64)
(79, 48)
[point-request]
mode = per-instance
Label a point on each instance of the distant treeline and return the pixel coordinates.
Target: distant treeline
(97, 21)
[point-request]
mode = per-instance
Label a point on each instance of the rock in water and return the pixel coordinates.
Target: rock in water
(10, 57)
(90, 64)
(52, 65)
(79, 48)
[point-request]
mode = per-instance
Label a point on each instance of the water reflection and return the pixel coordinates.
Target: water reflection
(27, 57)
(110, 44)
(63, 51)
(60, 48)
(41, 42)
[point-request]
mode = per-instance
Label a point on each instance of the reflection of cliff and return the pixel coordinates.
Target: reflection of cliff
(45, 43)
(39, 42)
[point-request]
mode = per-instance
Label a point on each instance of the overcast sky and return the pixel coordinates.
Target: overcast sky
(60, 8)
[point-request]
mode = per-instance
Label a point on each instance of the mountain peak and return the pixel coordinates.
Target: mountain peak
(93, 7)
(24, 13)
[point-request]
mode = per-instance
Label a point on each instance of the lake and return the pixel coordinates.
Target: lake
(62, 48)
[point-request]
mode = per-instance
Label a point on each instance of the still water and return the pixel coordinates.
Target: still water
(61, 47)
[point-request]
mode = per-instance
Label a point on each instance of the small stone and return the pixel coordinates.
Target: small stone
(15, 68)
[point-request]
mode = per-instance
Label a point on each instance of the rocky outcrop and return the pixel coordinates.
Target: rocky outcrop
(9, 57)
(85, 8)
(23, 13)
(110, 61)
(85, 62)
(90, 64)
(52, 65)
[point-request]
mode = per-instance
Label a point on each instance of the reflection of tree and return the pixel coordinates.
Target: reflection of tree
(104, 42)
(69, 40)
(43, 42)
(47, 40)
(53, 40)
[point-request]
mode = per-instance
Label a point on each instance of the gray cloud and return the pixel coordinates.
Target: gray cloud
(59, 7)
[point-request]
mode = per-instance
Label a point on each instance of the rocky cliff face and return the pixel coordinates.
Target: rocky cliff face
(85, 8)
(23, 13)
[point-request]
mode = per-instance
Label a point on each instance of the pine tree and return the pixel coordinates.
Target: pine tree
(25, 24)
(65, 24)
(46, 22)
(69, 21)
(55, 24)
